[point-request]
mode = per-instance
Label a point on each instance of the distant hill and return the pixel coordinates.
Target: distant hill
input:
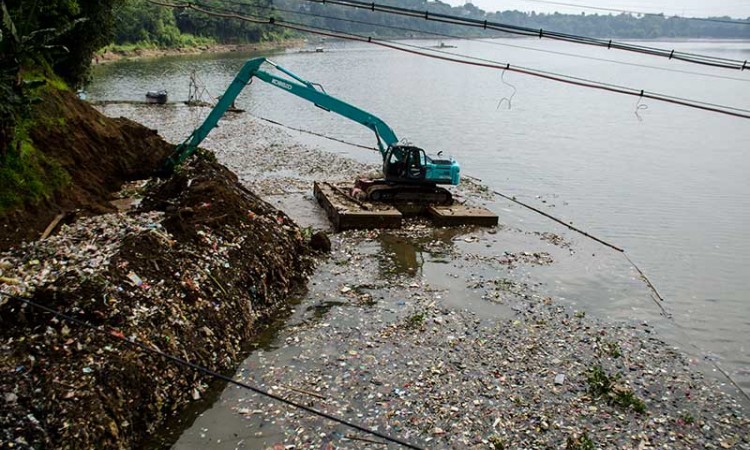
(138, 22)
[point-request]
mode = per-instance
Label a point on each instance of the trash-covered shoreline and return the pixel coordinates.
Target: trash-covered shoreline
(384, 347)
(446, 338)
(193, 271)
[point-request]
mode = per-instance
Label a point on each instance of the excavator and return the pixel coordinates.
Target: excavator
(409, 174)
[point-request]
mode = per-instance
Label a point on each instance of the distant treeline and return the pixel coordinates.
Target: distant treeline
(138, 21)
(594, 25)
(141, 22)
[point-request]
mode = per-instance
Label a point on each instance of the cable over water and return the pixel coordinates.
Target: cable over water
(464, 59)
(694, 58)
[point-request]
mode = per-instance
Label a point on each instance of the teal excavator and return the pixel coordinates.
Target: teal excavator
(409, 174)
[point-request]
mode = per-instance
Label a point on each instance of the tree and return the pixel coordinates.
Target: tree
(140, 21)
(87, 25)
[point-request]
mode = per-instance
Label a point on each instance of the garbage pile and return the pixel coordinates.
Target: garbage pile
(193, 271)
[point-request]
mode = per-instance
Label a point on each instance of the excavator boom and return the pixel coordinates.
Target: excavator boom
(296, 85)
(408, 171)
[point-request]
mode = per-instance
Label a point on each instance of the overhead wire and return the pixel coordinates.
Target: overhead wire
(695, 58)
(462, 59)
(118, 336)
(480, 40)
(626, 11)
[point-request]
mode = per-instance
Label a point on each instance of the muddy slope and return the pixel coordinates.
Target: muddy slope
(98, 153)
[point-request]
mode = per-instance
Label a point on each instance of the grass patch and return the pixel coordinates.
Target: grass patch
(496, 443)
(612, 349)
(46, 77)
(687, 418)
(600, 384)
(582, 442)
(56, 83)
(605, 386)
(627, 399)
(27, 176)
(608, 348)
(416, 320)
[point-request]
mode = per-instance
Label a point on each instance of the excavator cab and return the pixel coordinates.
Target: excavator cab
(405, 164)
(409, 164)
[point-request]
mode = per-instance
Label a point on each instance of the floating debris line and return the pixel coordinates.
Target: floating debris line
(118, 336)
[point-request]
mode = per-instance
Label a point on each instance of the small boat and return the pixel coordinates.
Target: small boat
(444, 45)
(159, 97)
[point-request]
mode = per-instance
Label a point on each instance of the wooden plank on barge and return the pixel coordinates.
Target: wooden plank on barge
(454, 215)
(346, 213)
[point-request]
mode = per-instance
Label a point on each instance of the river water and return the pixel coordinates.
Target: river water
(668, 184)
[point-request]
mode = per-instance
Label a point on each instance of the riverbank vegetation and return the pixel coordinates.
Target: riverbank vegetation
(144, 25)
(40, 50)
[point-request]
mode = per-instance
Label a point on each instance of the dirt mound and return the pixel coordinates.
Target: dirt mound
(192, 272)
(98, 154)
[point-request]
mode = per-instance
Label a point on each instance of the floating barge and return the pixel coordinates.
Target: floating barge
(348, 213)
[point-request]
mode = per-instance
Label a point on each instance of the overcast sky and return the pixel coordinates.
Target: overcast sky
(692, 8)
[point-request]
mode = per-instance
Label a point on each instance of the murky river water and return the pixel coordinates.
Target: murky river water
(669, 184)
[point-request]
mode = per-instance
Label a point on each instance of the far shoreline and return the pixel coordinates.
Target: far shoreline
(146, 53)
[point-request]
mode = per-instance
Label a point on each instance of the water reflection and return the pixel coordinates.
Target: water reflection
(405, 255)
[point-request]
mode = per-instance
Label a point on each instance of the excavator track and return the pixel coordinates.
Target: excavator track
(382, 191)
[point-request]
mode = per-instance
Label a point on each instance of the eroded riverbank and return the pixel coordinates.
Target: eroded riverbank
(449, 338)
(191, 264)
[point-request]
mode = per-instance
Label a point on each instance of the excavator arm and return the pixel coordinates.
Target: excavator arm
(296, 85)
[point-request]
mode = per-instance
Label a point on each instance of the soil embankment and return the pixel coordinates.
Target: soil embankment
(193, 270)
(97, 153)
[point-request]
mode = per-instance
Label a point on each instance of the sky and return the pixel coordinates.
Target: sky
(688, 8)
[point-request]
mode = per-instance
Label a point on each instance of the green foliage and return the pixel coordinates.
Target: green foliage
(26, 175)
(612, 349)
(496, 442)
(138, 21)
(144, 25)
(62, 34)
(416, 320)
(608, 348)
(306, 232)
(687, 418)
(604, 386)
(600, 384)
(227, 30)
(627, 399)
(582, 442)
